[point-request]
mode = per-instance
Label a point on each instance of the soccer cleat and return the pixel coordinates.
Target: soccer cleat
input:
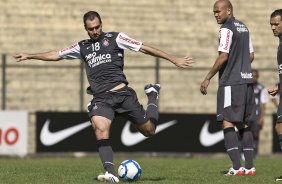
(250, 172)
(108, 177)
(152, 88)
(233, 172)
(279, 178)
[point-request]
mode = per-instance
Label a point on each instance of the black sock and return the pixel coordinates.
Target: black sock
(152, 109)
(240, 135)
(248, 149)
(256, 143)
(106, 155)
(231, 145)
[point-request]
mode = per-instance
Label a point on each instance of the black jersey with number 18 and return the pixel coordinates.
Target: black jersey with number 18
(103, 59)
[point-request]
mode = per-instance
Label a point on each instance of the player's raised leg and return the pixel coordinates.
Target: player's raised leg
(148, 129)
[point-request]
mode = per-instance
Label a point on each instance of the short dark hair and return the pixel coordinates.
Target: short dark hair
(90, 16)
(277, 13)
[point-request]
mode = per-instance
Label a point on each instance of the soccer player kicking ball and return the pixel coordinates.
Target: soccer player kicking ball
(103, 56)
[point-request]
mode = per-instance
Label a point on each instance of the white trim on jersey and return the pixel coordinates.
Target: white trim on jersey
(251, 45)
(225, 40)
(125, 42)
(72, 52)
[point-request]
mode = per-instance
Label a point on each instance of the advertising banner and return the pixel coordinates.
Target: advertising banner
(13, 133)
(63, 132)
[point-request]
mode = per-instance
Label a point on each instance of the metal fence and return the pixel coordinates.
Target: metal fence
(8, 67)
(61, 87)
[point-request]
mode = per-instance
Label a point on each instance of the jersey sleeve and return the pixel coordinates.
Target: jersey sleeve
(72, 52)
(225, 40)
(125, 42)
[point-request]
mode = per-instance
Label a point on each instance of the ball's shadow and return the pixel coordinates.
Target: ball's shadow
(152, 178)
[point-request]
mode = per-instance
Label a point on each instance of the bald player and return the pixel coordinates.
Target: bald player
(235, 96)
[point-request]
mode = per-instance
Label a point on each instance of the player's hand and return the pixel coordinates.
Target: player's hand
(273, 90)
(204, 86)
(21, 57)
(184, 62)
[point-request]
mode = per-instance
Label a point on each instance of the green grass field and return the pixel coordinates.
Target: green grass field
(162, 170)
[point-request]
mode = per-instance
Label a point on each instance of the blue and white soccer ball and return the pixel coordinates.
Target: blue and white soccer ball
(129, 170)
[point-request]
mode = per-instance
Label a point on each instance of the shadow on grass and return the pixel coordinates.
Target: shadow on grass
(223, 172)
(153, 178)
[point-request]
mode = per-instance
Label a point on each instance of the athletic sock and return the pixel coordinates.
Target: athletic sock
(248, 149)
(231, 145)
(106, 155)
(280, 140)
(240, 135)
(256, 142)
(152, 108)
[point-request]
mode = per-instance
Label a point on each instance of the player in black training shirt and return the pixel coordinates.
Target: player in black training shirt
(276, 26)
(103, 56)
(235, 96)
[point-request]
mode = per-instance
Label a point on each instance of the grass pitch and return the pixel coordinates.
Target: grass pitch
(162, 170)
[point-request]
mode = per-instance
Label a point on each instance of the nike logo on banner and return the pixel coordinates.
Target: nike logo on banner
(129, 138)
(50, 138)
(209, 139)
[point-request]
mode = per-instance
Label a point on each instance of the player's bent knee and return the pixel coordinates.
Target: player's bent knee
(278, 127)
(148, 133)
(148, 129)
(102, 133)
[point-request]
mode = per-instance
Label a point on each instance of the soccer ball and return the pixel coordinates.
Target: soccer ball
(129, 170)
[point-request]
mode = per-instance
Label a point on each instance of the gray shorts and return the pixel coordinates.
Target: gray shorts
(236, 103)
(121, 102)
(255, 127)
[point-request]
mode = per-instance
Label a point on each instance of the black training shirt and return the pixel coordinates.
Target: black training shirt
(103, 59)
(234, 39)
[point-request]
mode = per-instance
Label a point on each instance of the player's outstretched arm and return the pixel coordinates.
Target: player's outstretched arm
(183, 62)
(47, 56)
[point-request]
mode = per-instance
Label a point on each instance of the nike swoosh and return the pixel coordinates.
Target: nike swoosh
(129, 138)
(209, 139)
(50, 138)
